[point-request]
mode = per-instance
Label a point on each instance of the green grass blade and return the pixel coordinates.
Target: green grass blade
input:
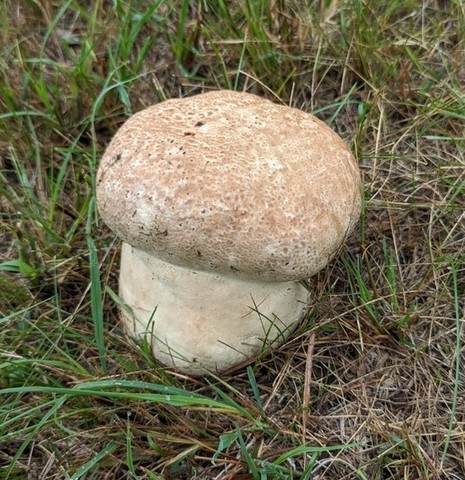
(88, 466)
(96, 297)
(458, 369)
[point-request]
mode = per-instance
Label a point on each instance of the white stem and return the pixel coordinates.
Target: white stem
(196, 319)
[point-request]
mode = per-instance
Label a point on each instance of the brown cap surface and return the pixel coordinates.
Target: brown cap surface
(230, 182)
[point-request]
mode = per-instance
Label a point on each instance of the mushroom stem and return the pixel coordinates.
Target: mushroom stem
(197, 320)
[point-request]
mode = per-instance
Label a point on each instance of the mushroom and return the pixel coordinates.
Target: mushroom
(224, 201)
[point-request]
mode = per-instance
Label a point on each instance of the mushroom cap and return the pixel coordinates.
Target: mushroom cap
(232, 183)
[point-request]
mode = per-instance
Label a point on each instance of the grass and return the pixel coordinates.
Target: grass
(372, 384)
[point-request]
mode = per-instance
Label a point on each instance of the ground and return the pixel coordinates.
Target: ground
(371, 385)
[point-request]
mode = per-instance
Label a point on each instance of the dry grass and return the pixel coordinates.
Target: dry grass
(372, 385)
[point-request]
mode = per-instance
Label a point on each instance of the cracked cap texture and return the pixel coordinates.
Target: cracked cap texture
(233, 183)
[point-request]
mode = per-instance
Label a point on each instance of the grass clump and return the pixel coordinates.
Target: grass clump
(371, 386)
